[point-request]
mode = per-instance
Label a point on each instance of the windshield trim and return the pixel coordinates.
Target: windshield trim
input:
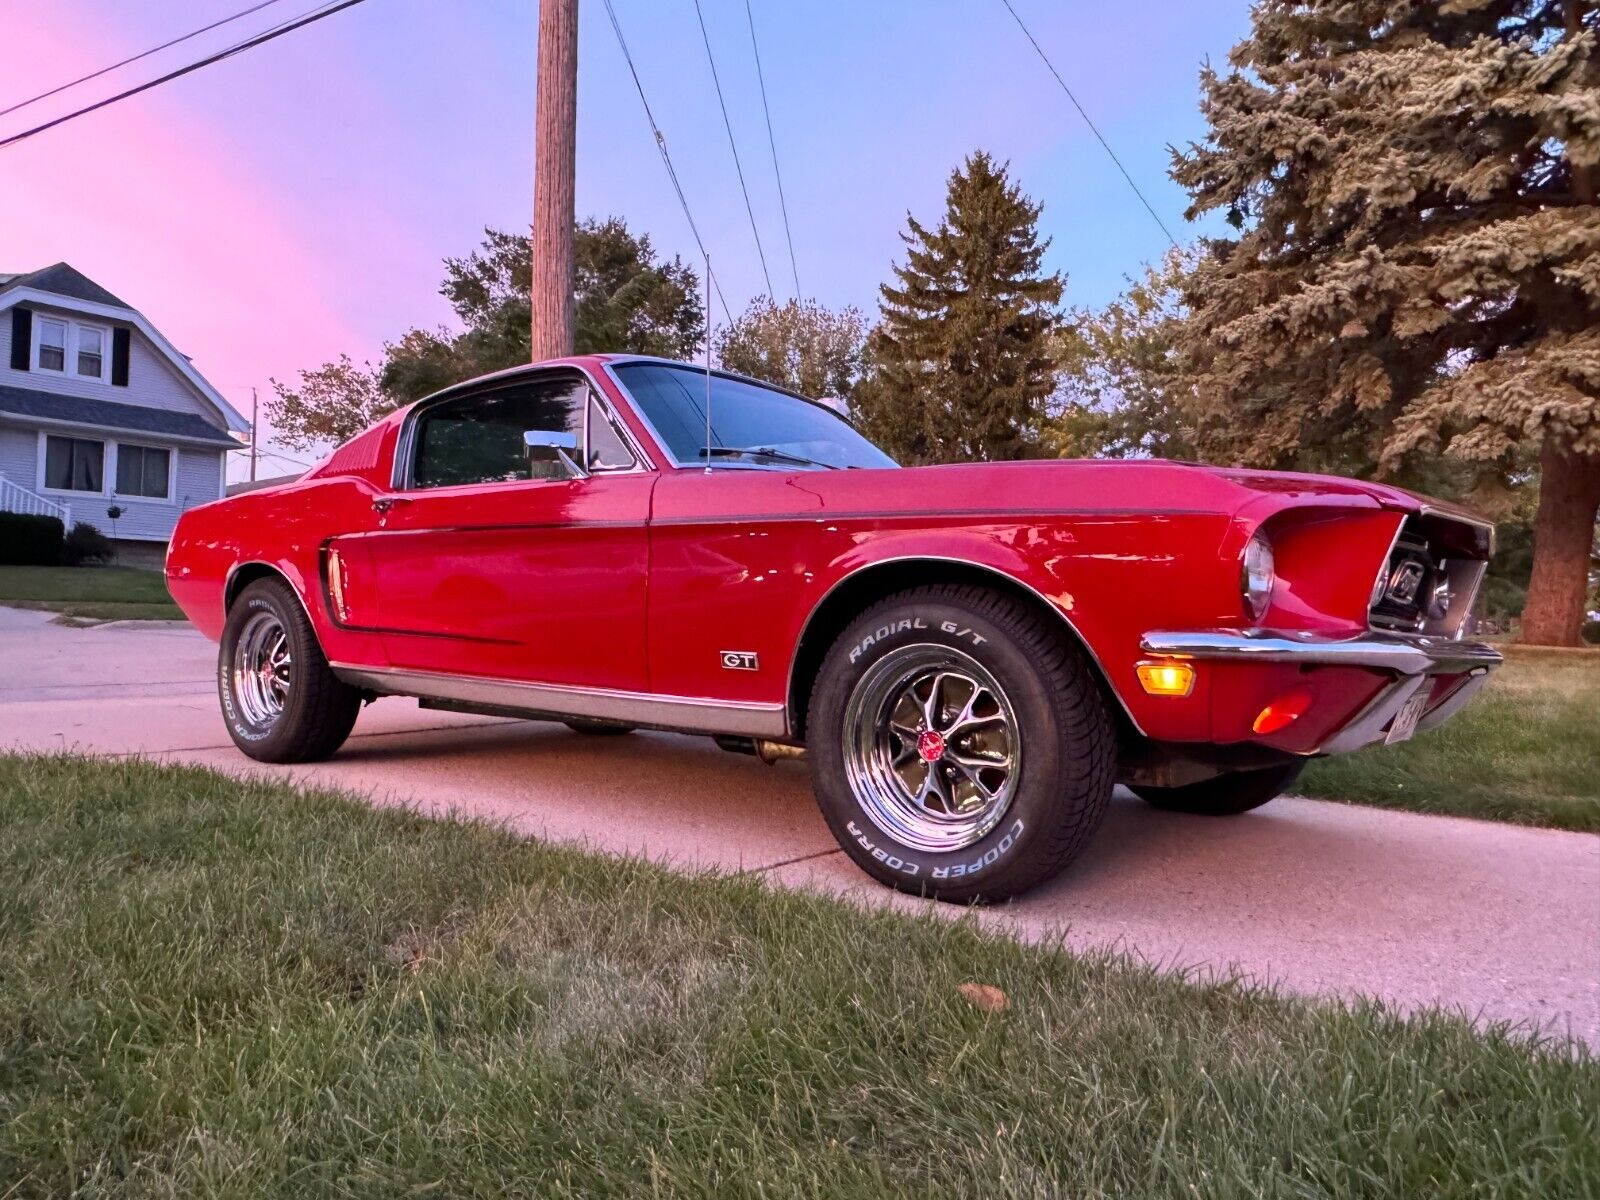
(666, 455)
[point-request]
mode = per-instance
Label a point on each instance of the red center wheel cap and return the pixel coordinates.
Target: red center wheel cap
(930, 745)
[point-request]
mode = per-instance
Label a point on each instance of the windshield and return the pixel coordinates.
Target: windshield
(744, 417)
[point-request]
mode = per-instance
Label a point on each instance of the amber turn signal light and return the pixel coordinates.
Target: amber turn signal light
(1166, 678)
(1283, 712)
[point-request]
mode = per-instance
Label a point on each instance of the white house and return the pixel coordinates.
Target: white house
(98, 409)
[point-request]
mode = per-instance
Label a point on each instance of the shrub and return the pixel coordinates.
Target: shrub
(85, 544)
(27, 541)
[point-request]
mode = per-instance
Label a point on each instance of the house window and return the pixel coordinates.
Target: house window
(74, 464)
(91, 351)
(52, 346)
(60, 342)
(143, 471)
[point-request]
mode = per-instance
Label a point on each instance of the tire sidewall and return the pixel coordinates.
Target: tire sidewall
(934, 622)
(252, 738)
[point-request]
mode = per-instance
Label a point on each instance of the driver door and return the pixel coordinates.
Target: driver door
(489, 563)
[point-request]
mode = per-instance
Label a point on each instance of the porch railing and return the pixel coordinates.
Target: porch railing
(18, 499)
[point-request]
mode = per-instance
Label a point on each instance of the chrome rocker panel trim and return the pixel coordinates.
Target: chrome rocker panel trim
(1381, 651)
(682, 714)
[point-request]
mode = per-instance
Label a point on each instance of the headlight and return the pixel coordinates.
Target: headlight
(1256, 576)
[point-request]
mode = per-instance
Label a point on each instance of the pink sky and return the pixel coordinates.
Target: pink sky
(276, 209)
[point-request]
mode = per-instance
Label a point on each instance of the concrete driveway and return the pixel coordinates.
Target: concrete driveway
(1496, 921)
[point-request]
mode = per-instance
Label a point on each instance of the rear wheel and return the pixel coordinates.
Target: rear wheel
(960, 745)
(1226, 795)
(280, 700)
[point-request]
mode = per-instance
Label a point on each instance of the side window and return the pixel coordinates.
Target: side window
(607, 450)
(478, 438)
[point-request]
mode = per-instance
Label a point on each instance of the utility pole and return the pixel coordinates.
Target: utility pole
(555, 165)
(253, 435)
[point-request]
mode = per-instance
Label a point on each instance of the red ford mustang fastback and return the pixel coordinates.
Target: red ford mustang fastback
(970, 656)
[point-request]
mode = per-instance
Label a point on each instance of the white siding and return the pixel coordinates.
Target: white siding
(18, 455)
(152, 381)
(197, 479)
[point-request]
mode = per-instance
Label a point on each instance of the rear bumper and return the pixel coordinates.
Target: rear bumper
(1403, 665)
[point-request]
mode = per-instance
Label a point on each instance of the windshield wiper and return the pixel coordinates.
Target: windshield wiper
(763, 452)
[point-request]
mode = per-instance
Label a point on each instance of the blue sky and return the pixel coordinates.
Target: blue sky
(294, 202)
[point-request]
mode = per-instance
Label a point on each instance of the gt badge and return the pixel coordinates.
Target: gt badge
(739, 660)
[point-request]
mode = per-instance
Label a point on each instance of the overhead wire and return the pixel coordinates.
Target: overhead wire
(1092, 127)
(193, 33)
(666, 159)
(733, 145)
(783, 204)
(250, 43)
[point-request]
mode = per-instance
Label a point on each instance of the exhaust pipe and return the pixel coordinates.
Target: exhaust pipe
(768, 752)
(772, 753)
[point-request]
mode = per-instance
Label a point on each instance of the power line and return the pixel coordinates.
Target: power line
(661, 145)
(238, 48)
(732, 145)
(265, 453)
(1046, 59)
(136, 57)
(783, 204)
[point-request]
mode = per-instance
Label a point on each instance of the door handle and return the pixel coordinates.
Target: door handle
(382, 504)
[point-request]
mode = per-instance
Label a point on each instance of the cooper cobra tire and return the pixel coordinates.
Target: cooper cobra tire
(280, 700)
(1226, 795)
(596, 728)
(1013, 748)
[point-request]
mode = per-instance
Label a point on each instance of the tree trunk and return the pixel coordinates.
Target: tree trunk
(554, 171)
(1563, 542)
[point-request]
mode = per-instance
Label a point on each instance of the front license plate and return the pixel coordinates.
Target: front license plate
(1405, 721)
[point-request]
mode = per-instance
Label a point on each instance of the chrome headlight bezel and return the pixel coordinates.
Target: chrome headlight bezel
(1257, 575)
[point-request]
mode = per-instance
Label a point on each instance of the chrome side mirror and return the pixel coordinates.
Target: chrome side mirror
(545, 446)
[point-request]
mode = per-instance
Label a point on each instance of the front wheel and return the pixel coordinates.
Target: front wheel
(1226, 795)
(960, 745)
(281, 701)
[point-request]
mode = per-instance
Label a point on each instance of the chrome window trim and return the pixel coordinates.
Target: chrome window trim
(400, 475)
(686, 714)
(661, 442)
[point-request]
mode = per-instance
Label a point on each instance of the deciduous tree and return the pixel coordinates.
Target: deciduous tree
(961, 362)
(1119, 385)
(1418, 267)
(799, 345)
(629, 300)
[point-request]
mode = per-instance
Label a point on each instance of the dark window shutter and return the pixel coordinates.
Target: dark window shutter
(21, 338)
(120, 339)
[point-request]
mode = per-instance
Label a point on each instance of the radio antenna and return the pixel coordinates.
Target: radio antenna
(708, 362)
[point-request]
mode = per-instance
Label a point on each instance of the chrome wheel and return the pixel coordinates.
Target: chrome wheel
(262, 669)
(931, 747)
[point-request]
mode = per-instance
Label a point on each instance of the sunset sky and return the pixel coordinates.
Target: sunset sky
(294, 202)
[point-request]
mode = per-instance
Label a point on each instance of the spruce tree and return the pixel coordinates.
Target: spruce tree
(960, 364)
(1418, 265)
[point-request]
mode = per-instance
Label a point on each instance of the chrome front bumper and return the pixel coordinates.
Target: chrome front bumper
(1413, 660)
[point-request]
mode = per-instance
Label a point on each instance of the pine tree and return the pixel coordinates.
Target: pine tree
(1418, 268)
(961, 365)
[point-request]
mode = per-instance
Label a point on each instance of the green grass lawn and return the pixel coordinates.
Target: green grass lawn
(1527, 750)
(217, 988)
(90, 593)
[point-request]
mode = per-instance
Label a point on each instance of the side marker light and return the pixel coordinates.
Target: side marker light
(1166, 678)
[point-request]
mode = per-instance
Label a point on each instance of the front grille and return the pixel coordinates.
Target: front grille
(1431, 578)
